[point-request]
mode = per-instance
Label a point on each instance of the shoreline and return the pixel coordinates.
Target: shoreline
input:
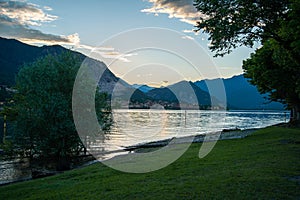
(225, 134)
(262, 165)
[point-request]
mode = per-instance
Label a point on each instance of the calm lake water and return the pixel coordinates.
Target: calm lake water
(132, 127)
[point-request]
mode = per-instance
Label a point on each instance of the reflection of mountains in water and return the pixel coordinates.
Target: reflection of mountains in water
(183, 95)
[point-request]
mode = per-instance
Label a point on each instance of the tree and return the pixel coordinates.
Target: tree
(234, 23)
(275, 67)
(42, 109)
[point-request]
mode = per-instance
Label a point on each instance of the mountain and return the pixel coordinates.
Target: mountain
(186, 93)
(240, 94)
(14, 54)
(143, 88)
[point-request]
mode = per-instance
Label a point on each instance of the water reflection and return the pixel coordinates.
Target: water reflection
(132, 127)
(138, 126)
(14, 170)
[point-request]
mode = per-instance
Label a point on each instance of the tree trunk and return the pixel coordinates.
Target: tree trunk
(295, 115)
(62, 161)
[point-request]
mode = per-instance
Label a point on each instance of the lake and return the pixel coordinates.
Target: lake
(132, 127)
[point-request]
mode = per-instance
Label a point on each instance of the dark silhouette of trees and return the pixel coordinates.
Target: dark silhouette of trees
(41, 111)
(275, 67)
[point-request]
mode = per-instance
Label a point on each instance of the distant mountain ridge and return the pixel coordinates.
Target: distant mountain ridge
(143, 88)
(241, 94)
(14, 54)
(184, 92)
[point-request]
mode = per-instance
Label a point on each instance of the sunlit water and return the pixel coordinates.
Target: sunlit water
(132, 127)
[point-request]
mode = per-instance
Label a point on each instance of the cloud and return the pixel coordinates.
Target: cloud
(18, 17)
(188, 37)
(25, 13)
(181, 9)
(109, 53)
(101, 48)
(47, 8)
(188, 31)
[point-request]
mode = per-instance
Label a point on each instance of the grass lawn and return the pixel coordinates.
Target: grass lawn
(265, 165)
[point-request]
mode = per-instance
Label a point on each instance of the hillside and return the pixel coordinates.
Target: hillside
(241, 94)
(184, 93)
(14, 54)
(143, 88)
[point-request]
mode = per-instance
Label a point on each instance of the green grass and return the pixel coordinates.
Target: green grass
(264, 165)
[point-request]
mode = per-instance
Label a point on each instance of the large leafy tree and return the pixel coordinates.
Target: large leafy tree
(275, 67)
(42, 109)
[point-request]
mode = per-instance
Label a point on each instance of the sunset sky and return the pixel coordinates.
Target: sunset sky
(84, 25)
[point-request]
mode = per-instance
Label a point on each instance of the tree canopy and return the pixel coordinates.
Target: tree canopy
(275, 67)
(234, 23)
(42, 109)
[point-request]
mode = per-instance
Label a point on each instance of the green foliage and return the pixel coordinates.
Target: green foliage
(275, 67)
(264, 165)
(273, 70)
(42, 108)
(235, 23)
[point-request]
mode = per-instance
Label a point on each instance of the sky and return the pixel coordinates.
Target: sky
(141, 41)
